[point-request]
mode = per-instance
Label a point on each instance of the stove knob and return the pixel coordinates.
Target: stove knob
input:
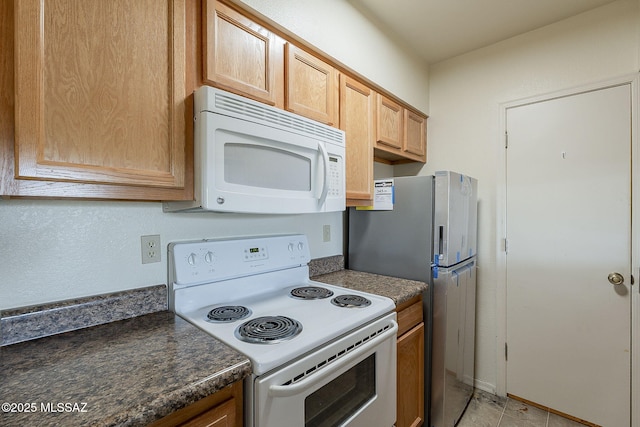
(191, 259)
(290, 247)
(300, 246)
(209, 258)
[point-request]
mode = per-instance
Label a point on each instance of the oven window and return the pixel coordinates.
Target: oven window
(341, 398)
(266, 167)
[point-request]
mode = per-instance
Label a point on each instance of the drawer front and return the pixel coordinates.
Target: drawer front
(409, 316)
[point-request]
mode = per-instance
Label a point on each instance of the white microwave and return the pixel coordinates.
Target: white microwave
(255, 158)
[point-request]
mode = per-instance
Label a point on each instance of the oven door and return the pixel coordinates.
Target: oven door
(350, 382)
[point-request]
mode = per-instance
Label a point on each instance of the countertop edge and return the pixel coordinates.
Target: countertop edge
(147, 413)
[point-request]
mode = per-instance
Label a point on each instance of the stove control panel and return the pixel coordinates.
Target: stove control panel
(255, 253)
(204, 261)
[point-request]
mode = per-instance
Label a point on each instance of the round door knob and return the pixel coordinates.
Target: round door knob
(616, 278)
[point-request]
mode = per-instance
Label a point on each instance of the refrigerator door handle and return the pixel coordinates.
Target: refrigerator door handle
(441, 239)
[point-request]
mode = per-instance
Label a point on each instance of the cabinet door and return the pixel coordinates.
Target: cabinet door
(357, 103)
(100, 94)
(415, 135)
(223, 415)
(410, 403)
(389, 119)
(242, 56)
(221, 409)
(312, 86)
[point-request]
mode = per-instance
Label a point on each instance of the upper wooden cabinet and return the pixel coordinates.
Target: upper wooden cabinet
(311, 86)
(100, 91)
(389, 123)
(98, 95)
(400, 133)
(242, 56)
(415, 134)
(357, 106)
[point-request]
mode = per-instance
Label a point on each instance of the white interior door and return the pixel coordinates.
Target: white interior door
(568, 227)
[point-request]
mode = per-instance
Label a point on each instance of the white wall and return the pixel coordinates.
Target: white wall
(55, 250)
(339, 30)
(464, 131)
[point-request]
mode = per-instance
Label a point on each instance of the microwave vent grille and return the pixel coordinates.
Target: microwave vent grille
(274, 117)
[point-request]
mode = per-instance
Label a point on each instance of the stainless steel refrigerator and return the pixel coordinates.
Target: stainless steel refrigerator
(430, 235)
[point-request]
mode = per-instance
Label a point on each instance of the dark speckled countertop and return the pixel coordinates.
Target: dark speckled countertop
(130, 372)
(399, 290)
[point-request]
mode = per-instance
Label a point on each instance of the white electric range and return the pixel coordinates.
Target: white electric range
(322, 355)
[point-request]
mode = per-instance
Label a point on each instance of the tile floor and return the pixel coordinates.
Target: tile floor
(487, 410)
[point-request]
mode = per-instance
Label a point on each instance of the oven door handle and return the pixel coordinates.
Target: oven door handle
(319, 375)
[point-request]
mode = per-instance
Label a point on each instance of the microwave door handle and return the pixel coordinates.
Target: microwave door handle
(325, 184)
(320, 375)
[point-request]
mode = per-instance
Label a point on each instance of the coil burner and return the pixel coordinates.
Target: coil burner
(311, 292)
(350, 301)
(268, 329)
(228, 313)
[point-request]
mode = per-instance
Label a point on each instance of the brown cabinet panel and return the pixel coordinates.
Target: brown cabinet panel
(389, 120)
(415, 131)
(221, 409)
(410, 387)
(400, 133)
(242, 56)
(357, 104)
(410, 404)
(223, 415)
(312, 86)
(409, 317)
(99, 92)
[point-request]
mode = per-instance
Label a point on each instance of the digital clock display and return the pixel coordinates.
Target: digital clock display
(254, 250)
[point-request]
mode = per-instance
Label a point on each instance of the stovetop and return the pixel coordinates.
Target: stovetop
(260, 285)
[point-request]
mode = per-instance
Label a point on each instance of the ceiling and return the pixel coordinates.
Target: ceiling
(439, 29)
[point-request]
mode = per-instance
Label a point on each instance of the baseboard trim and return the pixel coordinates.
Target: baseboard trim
(553, 411)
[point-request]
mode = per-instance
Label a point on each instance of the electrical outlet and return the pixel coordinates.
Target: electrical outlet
(326, 233)
(150, 248)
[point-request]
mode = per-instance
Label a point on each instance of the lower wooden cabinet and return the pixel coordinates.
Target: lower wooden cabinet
(410, 398)
(222, 409)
